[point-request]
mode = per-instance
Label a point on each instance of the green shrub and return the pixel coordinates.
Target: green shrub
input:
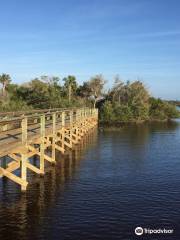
(122, 113)
(161, 110)
(107, 112)
(12, 105)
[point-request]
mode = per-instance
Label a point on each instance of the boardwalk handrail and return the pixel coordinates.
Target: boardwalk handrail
(35, 111)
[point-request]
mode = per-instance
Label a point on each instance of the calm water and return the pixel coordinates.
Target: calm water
(111, 183)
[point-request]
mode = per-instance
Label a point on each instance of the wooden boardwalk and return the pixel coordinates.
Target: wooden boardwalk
(24, 135)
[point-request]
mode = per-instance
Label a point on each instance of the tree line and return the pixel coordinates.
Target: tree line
(49, 92)
(131, 101)
(124, 102)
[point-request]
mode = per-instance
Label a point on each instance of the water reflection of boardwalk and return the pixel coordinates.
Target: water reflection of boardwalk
(31, 142)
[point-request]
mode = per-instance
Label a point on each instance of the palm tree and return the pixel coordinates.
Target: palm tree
(70, 85)
(5, 79)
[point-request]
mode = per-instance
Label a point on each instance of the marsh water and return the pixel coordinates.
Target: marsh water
(112, 182)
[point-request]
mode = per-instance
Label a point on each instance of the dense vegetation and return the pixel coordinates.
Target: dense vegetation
(125, 102)
(49, 92)
(131, 102)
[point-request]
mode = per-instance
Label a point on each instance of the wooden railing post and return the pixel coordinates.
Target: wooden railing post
(42, 145)
(54, 137)
(71, 126)
(63, 119)
(96, 114)
(85, 119)
(78, 115)
(71, 118)
(77, 123)
(63, 133)
(24, 127)
(23, 171)
(84, 113)
(94, 110)
(80, 120)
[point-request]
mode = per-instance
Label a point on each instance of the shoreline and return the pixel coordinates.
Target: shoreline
(106, 124)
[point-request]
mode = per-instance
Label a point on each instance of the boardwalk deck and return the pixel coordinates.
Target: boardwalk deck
(26, 134)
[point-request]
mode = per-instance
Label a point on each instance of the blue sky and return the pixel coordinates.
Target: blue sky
(132, 38)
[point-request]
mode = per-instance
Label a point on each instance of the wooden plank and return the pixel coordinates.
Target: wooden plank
(68, 144)
(59, 148)
(15, 157)
(23, 171)
(13, 166)
(42, 145)
(24, 131)
(32, 153)
(62, 132)
(34, 168)
(14, 178)
(54, 137)
(49, 159)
